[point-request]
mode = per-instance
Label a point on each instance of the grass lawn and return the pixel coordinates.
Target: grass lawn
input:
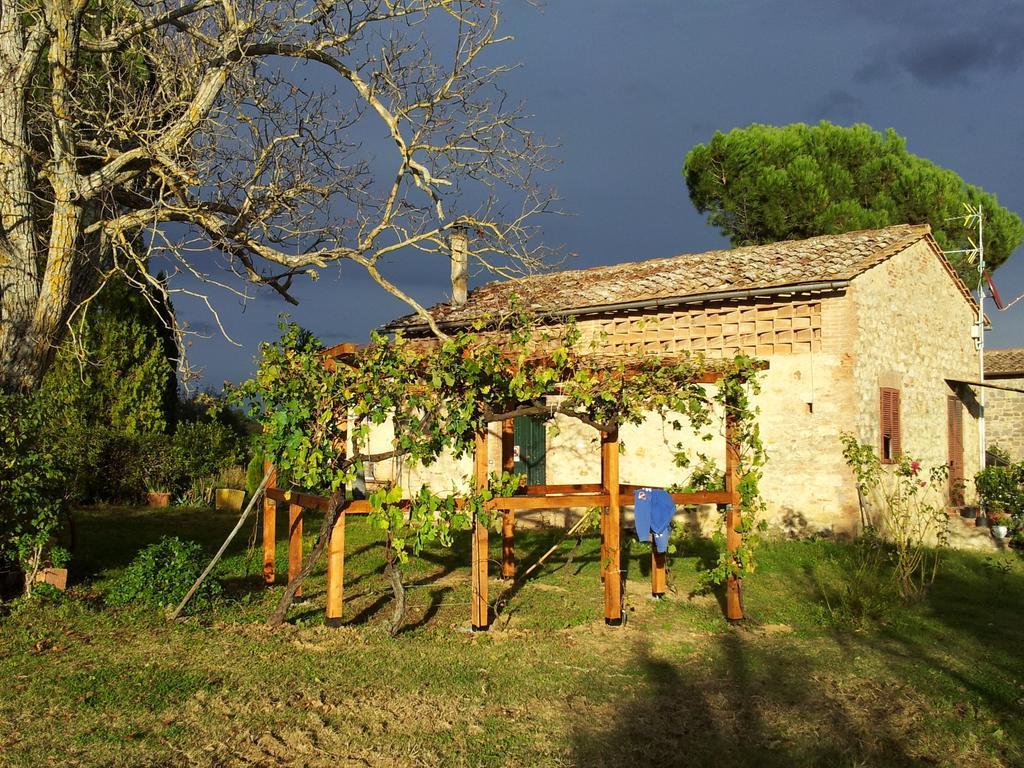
(85, 684)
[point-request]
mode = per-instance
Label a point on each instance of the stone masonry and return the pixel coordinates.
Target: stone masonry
(1004, 410)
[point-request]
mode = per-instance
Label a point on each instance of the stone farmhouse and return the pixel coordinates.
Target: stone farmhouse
(1004, 401)
(864, 332)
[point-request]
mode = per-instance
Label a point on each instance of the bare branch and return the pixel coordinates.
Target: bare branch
(213, 126)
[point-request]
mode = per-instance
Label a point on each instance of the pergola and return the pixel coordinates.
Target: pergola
(610, 495)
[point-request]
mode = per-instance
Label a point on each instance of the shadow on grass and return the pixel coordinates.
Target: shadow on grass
(937, 683)
(705, 552)
(539, 540)
(750, 706)
(109, 537)
(960, 644)
(963, 644)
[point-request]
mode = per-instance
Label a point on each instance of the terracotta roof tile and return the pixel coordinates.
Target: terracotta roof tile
(787, 263)
(1004, 361)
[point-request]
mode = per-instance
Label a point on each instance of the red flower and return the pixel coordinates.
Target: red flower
(915, 467)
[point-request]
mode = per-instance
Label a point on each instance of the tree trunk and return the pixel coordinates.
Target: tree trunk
(19, 276)
(394, 573)
(34, 306)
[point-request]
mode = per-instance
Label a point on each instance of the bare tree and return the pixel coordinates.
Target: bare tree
(282, 135)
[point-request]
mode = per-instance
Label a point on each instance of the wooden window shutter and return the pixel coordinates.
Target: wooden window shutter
(955, 448)
(889, 413)
(885, 428)
(897, 427)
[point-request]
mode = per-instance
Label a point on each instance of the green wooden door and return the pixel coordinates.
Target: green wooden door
(531, 447)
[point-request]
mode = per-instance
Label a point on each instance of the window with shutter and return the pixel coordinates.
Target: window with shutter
(891, 448)
(955, 436)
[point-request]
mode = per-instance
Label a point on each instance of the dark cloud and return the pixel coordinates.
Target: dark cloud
(644, 91)
(958, 59)
(881, 67)
(837, 105)
(956, 53)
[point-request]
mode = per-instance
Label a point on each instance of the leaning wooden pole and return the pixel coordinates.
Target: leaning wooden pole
(269, 527)
(733, 538)
(223, 547)
(508, 516)
(612, 529)
(480, 615)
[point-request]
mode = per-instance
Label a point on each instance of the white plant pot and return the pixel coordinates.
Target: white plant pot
(999, 531)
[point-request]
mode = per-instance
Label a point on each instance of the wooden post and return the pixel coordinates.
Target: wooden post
(336, 550)
(610, 559)
(733, 539)
(604, 510)
(336, 571)
(479, 613)
(269, 527)
(294, 544)
(657, 571)
(508, 516)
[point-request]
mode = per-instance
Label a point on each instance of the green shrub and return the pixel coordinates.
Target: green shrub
(32, 503)
(905, 507)
(856, 582)
(161, 575)
(204, 449)
(1002, 491)
(1002, 487)
(126, 466)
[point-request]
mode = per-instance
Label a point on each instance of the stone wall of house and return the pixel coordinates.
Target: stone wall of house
(913, 333)
(803, 402)
(1004, 416)
(806, 397)
(446, 474)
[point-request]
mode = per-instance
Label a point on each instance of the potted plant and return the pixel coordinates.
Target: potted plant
(998, 520)
(158, 479)
(1001, 489)
(156, 496)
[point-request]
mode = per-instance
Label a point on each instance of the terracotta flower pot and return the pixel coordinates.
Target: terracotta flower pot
(158, 499)
(55, 577)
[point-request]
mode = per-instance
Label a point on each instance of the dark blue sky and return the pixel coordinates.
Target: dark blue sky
(627, 88)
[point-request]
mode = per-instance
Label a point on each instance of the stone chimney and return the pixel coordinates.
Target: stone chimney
(460, 266)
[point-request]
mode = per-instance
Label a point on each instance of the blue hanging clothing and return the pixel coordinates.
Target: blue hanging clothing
(653, 510)
(642, 513)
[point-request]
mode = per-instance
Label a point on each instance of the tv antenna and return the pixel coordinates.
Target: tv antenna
(974, 216)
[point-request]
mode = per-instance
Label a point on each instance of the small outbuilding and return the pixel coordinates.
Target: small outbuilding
(1004, 401)
(864, 332)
